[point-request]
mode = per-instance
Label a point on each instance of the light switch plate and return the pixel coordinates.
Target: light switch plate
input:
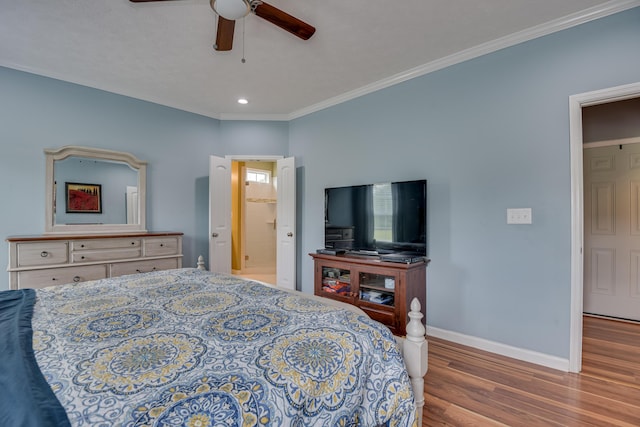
(519, 216)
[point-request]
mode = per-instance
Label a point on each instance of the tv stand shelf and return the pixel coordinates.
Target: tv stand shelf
(381, 289)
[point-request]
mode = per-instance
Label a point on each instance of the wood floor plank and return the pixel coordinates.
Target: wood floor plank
(441, 413)
(469, 387)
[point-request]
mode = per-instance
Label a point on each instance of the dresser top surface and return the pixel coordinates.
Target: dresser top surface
(45, 237)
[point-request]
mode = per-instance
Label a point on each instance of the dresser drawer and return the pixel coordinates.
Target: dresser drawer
(42, 253)
(60, 276)
(105, 255)
(36, 262)
(90, 245)
(163, 246)
(133, 267)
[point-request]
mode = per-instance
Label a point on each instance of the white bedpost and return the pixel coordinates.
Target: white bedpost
(415, 352)
(200, 264)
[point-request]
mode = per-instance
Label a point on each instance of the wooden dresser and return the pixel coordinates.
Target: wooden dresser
(39, 261)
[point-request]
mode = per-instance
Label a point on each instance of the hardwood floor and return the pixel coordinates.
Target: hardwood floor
(469, 387)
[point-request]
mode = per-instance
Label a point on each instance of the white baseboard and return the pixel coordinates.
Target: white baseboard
(530, 356)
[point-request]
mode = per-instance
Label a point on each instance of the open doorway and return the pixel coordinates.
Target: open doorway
(576, 105)
(254, 220)
(220, 216)
(611, 170)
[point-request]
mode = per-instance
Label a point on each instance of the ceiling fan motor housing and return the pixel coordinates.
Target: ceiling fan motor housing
(231, 9)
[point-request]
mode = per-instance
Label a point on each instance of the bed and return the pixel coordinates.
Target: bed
(192, 348)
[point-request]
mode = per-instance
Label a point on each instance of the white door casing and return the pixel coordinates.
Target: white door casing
(576, 103)
(220, 215)
(612, 230)
(286, 224)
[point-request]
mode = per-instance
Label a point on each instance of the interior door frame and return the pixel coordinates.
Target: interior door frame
(576, 103)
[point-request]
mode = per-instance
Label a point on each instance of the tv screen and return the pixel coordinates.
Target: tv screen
(379, 218)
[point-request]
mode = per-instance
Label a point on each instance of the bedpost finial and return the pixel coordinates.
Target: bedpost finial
(415, 305)
(200, 264)
(415, 329)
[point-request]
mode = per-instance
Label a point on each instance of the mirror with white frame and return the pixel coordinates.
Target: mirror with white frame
(92, 190)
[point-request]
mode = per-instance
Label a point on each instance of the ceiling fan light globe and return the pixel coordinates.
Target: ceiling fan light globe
(231, 9)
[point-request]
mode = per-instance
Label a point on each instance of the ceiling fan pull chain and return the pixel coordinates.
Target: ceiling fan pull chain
(243, 60)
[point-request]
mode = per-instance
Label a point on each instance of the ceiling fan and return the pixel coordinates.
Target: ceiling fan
(230, 10)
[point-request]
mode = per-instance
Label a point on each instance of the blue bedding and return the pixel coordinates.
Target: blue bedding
(27, 400)
(186, 347)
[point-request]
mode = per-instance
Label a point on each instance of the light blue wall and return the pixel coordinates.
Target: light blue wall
(260, 138)
(38, 113)
(488, 134)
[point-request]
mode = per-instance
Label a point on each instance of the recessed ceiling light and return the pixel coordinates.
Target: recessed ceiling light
(243, 101)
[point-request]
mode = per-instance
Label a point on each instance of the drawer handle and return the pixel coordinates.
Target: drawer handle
(133, 243)
(76, 279)
(82, 246)
(82, 257)
(44, 254)
(161, 245)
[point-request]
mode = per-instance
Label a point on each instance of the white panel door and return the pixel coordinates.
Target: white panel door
(612, 231)
(220, 215)
(286, 224)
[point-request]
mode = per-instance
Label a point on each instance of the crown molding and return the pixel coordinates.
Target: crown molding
(572, 20)
(550, 27)
(254, 117)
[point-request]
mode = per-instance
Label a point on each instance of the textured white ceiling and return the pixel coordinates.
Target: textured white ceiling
(162, 52)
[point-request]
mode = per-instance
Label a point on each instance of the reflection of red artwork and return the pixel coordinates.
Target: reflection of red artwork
(83, 198)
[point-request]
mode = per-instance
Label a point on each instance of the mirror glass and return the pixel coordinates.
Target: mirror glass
(94, 190)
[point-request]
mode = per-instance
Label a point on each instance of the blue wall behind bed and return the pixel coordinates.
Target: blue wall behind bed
(488, 134)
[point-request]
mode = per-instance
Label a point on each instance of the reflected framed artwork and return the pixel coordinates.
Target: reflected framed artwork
(83, 198)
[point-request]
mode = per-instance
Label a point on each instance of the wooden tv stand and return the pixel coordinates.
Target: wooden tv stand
(383, 290)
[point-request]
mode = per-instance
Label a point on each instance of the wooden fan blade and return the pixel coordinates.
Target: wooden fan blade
(284, 20)
(224, 36)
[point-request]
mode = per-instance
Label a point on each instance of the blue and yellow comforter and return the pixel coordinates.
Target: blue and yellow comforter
(191, 348)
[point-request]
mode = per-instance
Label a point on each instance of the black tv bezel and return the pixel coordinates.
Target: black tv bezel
(413, 249)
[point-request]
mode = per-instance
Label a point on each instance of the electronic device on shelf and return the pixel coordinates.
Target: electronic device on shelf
(331, 251)
(403, 258)
(378, 219)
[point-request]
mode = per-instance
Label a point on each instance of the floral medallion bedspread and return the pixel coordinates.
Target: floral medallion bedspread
(192, 348)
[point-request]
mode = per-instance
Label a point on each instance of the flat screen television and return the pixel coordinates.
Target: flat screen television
(384, 218)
